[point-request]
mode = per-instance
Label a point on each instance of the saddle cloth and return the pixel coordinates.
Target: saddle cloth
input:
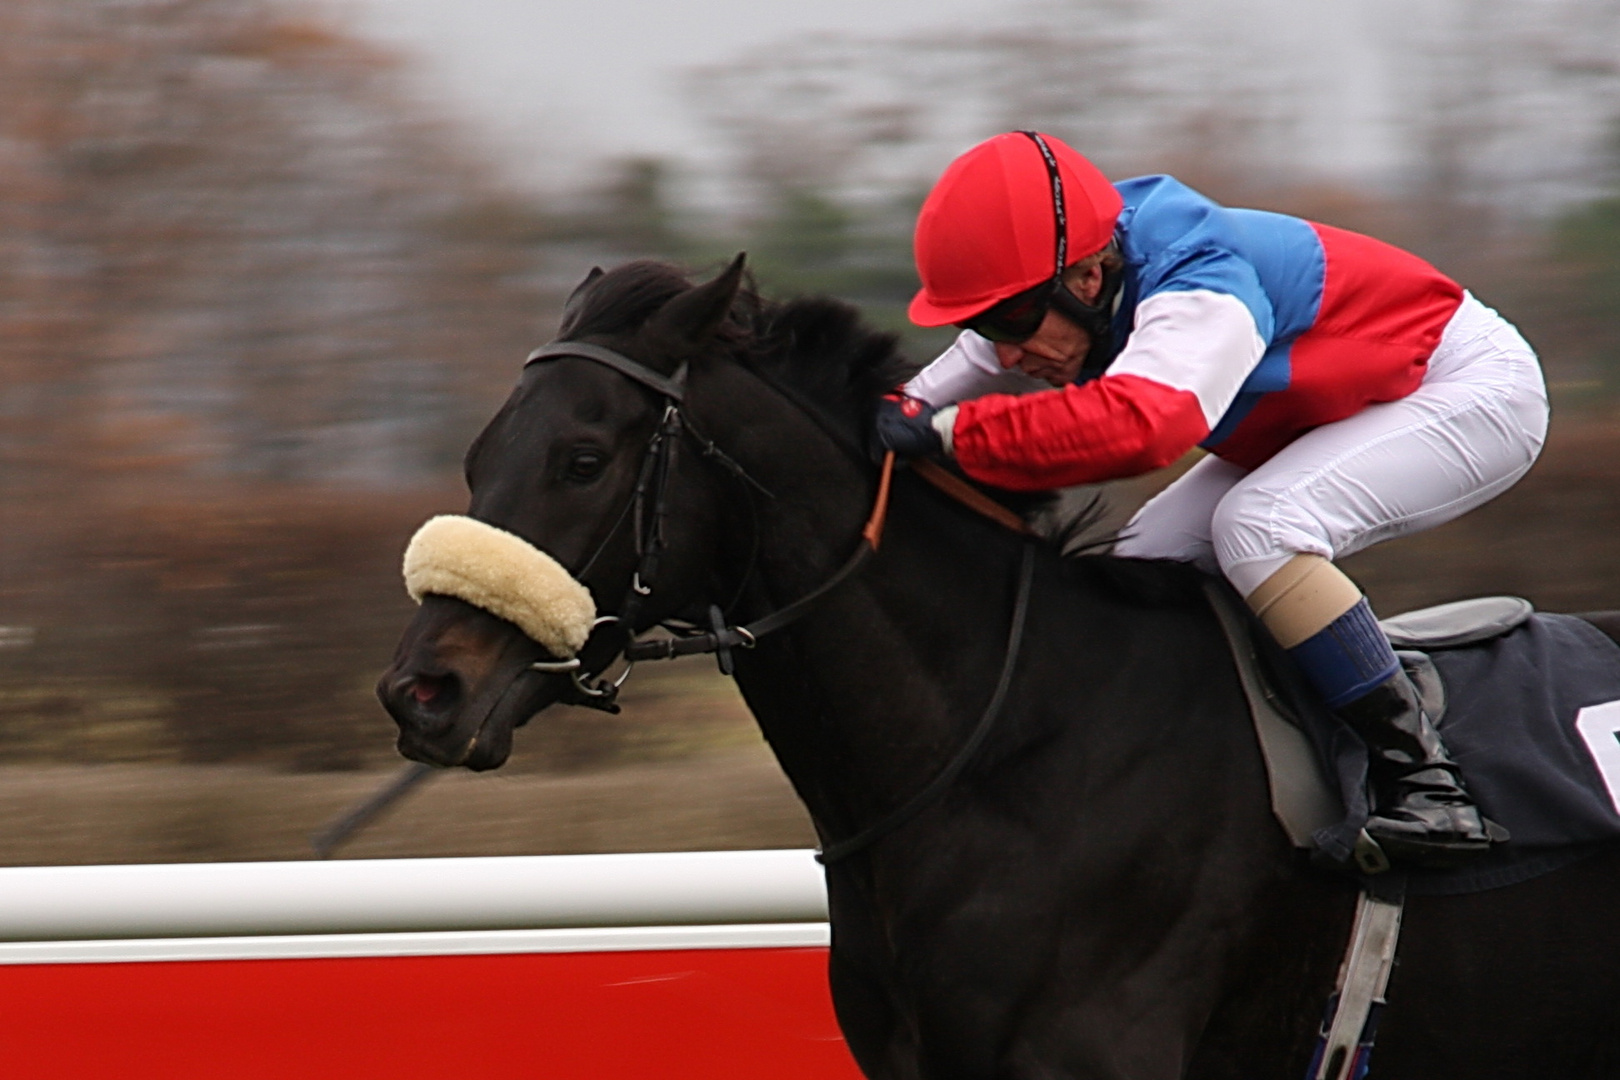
(1530, 713)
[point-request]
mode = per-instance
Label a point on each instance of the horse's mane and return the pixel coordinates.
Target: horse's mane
(819, 352)
(816, 349)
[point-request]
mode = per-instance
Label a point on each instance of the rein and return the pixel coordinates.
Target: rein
(720, 639)
(831, 853)
(723, 638)
(970, 496)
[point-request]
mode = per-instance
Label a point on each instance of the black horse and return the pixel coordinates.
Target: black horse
(1102, 891)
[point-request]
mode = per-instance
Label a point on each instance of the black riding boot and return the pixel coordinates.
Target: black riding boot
(1423, 816)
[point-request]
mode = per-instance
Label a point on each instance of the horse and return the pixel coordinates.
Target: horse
(1098, 889)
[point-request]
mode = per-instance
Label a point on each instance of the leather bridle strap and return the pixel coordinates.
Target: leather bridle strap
(672, 387)
(652, 487)
(745, 637)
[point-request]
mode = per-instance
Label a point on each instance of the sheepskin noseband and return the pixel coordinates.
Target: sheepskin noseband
(505, 575)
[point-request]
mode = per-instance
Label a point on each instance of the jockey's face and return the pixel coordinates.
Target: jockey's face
(1053, 353)
(1056, 350)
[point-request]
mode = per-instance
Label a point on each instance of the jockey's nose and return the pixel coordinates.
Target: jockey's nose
(1008, 354)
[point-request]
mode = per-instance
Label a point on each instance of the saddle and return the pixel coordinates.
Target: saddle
(1514, 692)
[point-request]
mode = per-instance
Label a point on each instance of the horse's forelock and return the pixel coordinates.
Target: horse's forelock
(622, 299)
(625, 299)
(817, 345)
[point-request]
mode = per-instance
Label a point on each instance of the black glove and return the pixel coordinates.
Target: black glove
(904, 425)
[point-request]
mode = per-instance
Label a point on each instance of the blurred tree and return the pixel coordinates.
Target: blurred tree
(236, 260)
(1492, 112)
(1584, 296)
(1505, 106)
(636, 216)
(833, 139)
(239, 264)
(1495, 119)
(234, 253)
(805, 242)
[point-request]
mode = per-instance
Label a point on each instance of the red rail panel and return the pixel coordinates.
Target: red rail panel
(668, 1013)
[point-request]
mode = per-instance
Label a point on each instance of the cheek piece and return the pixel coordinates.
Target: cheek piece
(1097, 320)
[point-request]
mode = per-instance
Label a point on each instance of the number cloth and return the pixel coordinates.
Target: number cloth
(1531, 718)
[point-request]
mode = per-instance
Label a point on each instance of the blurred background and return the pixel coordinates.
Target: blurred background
(266, 267)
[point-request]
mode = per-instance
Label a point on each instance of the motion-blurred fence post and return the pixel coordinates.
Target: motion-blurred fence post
(357, 817)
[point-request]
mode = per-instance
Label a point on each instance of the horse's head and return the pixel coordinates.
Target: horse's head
(569, 485)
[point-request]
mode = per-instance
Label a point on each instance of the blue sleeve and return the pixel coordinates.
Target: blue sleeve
(1214, 270)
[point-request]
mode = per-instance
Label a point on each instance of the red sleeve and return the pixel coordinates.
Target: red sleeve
(1108, 428)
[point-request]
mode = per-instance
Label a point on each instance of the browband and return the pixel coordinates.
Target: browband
(672, 387)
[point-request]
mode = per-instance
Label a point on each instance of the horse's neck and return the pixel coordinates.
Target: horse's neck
(867, 696)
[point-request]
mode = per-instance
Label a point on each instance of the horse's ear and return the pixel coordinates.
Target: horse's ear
(692, 317)
(571, 306)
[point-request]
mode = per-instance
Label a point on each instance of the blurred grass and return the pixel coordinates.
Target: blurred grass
(87, 814)
(684, 768)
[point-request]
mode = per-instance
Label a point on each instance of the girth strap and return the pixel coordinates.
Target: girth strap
(1351, 1023)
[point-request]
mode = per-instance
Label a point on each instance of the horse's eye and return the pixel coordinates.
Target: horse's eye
(585, 464)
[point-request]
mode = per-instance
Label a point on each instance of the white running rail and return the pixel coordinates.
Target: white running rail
(392, 896)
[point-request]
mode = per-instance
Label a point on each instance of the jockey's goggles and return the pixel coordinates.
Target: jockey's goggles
(1015, 320)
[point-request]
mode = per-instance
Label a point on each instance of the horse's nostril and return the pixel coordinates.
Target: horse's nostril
(434, 690)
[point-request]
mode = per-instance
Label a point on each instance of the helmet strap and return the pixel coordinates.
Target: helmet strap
(1096, 319)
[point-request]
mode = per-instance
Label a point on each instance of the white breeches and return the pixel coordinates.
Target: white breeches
(1465, 435)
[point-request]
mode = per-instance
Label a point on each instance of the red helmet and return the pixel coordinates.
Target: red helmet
(988, 229)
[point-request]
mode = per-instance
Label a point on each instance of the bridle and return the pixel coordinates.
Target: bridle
(614, 635)
(648, 505)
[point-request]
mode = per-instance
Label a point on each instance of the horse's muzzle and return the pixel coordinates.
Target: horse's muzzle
(492, 606)
(461, 681)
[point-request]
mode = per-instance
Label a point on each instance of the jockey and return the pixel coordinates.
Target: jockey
(1347, 392)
